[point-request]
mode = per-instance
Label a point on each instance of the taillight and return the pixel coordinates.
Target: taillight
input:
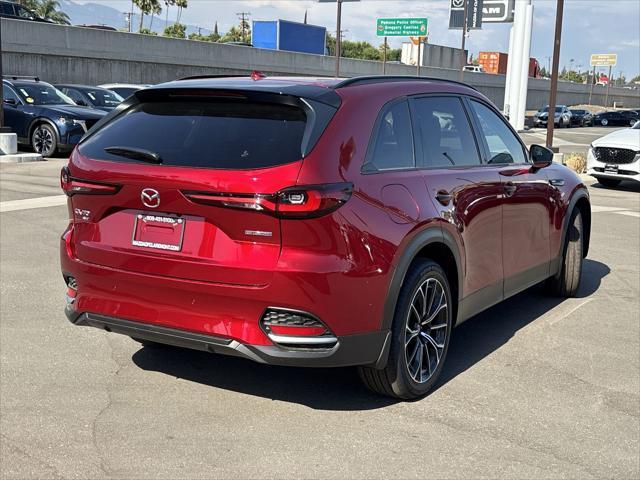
(69, 245)
(300, 202)
(74, 186)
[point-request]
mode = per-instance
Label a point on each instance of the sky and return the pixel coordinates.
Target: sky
(589, 26)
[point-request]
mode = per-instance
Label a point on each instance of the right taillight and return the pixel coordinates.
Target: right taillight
(299, 202)
(74, 186)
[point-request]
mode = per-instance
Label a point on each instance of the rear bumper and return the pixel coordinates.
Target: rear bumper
(360, 349)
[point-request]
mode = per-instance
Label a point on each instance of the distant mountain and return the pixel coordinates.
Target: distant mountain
(94, 13)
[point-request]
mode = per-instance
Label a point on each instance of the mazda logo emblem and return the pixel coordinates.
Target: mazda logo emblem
(458, 3)
(150, 198)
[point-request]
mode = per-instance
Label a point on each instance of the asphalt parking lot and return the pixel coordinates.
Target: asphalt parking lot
(568, 140)
(534, 387)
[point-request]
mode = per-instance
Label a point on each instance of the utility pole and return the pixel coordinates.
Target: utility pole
(384, 57)
(593, 80)
(127, 20)
(338, 37)
(606, 97)
(554, 77)
(464, 37)
(419, 59)
(244, 18)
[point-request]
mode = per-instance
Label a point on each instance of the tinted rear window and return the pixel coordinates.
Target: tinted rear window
(229, 135)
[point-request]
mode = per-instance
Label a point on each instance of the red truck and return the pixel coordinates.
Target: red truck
(496, 63)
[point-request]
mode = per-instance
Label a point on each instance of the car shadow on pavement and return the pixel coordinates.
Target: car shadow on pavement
(625, 186)
(340, 388)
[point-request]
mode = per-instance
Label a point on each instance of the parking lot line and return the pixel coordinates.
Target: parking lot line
(630, 214)
(29, 203)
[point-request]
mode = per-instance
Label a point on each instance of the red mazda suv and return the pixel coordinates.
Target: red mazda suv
(313, 222)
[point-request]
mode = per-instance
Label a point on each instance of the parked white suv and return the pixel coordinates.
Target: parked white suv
(616, 157)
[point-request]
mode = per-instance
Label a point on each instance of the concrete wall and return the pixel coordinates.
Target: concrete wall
(59, 53)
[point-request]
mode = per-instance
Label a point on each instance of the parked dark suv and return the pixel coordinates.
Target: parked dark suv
(314, 222)
(43, 117)
(18, 12)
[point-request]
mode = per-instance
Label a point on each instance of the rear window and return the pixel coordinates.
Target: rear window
(220, 134)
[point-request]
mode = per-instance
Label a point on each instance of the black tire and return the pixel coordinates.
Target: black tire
(396, 380)
(609, 182)
(604, 122)
(566, 282)
(44, 140)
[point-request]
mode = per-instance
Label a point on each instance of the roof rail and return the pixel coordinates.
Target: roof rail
(21, 77)
(349, 82)
(198, 77)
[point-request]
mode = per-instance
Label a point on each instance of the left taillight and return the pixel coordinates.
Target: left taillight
(75, 186)
(299, 202)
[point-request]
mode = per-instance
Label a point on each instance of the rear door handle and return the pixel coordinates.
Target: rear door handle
(444, 197)
(510, 188)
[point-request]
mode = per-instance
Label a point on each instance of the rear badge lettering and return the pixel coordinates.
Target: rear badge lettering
(258, 233)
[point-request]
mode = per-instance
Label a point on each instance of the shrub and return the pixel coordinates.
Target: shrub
(576, 162)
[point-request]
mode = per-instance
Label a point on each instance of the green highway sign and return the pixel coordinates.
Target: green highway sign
(402, 27)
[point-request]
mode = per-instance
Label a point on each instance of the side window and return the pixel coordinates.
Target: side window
(504, 146)
(7, 9)
(9, 94)
(23, 12)
(75, 96)
(447, 139)
(393, 145)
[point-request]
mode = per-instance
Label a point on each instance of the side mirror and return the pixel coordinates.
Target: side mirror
(10, 101)
(540, 156)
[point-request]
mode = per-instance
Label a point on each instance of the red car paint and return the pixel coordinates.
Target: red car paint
(338, 267)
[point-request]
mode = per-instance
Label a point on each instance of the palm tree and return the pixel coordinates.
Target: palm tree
(167, 4)
(146, 7)
(180, 4)
(156, 10)
(30, 4)
(48, 9)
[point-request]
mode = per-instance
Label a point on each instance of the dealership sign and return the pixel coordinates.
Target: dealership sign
(498, 11)
(604, 59)
(474, 14)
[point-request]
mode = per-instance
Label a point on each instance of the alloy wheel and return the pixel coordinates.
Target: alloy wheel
(43, 141)
(426, 330)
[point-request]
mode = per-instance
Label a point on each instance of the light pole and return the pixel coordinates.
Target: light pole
(338, 29)
(554, 77)
(338, 36)
(463, 58)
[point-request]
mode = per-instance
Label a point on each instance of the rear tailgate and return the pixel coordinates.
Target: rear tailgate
(204, 213)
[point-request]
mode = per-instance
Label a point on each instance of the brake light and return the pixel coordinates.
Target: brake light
(299, 202)
(74, 186)
(69, 246)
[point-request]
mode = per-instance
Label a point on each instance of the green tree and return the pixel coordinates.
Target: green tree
(635, 79)
(177, 30)
(233, 35)
(156, 10)
(30, 4)
(215, 36)
(181, 4)
(571, 76)
(148, 31)
(49, 10)
(146, 7)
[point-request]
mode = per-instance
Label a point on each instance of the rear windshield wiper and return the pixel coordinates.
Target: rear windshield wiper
(135, 154)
